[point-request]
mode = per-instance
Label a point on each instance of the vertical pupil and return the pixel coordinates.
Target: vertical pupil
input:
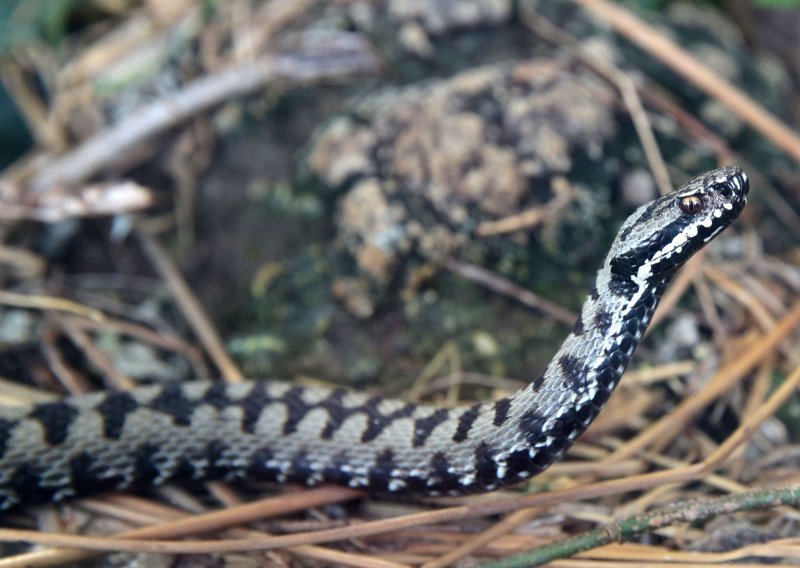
(692, 204)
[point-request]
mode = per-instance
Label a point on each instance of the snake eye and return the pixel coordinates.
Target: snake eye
(691, 204)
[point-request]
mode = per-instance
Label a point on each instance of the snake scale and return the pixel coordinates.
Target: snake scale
(274, 431)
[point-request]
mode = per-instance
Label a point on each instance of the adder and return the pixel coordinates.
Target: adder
(277, 431)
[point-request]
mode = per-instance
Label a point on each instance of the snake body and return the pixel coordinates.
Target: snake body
(275, 431)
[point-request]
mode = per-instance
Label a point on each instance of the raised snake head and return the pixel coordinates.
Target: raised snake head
(659, 237)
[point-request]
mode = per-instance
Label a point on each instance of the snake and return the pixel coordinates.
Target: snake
(275, 431)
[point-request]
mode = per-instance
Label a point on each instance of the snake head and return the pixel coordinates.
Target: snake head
(659, 237)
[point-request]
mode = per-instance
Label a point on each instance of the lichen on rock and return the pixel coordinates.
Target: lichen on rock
(422, 166)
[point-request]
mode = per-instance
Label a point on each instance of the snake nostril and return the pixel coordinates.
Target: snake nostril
(725, 190)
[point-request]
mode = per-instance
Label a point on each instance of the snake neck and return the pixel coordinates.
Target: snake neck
(541, 421)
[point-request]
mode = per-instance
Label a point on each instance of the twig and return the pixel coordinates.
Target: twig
(641, 123)
(97, 358)
(25, 264)
(780, 206)
(501, 528)
(506, 287)
(459, 513)
(677, 289)
(741, 295)
(713, 480)
(346, 54)
(689, 124)
(158, 339)
(653, 556)
(256, 33)
(191, 308)
(448, 357)
(530, 218)
(627, 529)
(673, 423)
(596, 468)
(651, 375)
(58, 203)
(182, 525)
(71, 380)
(710, 311)
(472, 379)
(49, 303)
(624, 84)
(703, 77)
(753, 421)
(752, 304)
(14, 393)
(33, 110)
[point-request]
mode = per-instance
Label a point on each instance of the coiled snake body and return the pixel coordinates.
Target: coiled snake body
(275, 431)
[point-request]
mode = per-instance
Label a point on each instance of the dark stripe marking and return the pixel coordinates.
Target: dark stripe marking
(253, 405)
(573, 371)
(114, 410)
(87, 476)
(217, 396)
(380, 474)
(377, 422)
(55, 418)
(423, 427)
(439, 464)
(296, 409)
(26, 482)
(257, 469)
(618, 361)
(172, 401)
(532, 425)
(334, 472)
(301, 465)
(602, 321)
(440, 467)
(216, 467)
(578, 329)
(337, 413)
(145, 467)
(623, 287)
(501, 411)
(465, 422)
(517, 463)
(646, 214)
(626, 343)
(485, 465)
(538, 383)
(584, 415)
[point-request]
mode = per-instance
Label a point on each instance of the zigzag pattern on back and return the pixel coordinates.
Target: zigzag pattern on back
(275, 431)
